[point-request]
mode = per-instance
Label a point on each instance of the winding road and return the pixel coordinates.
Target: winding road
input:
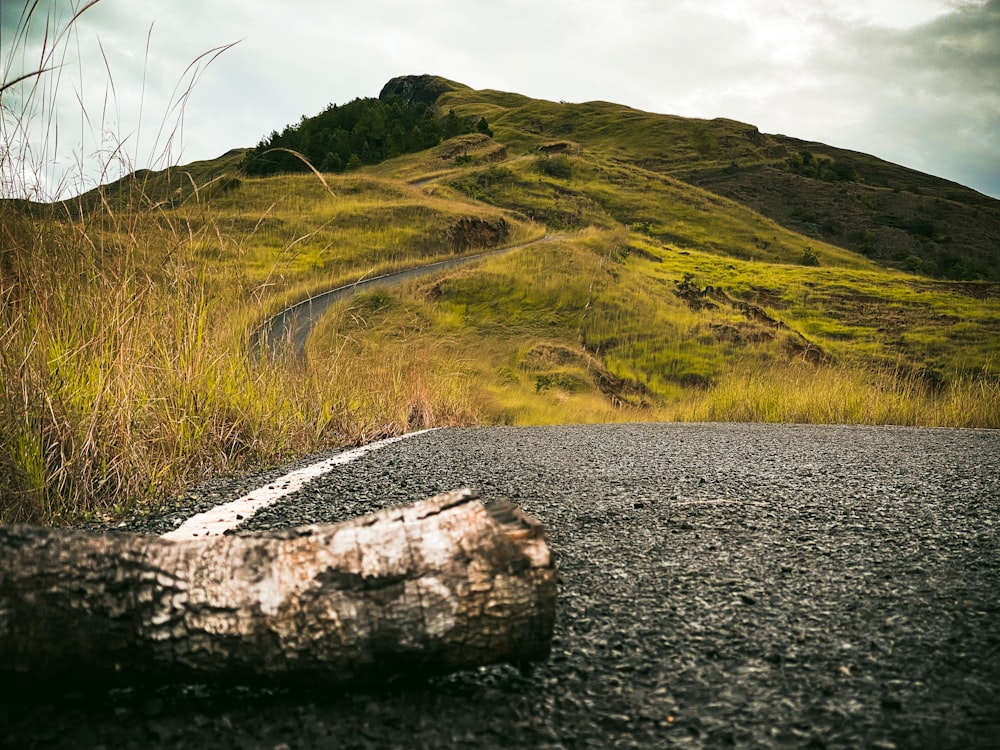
(721, 586)
(291, 327)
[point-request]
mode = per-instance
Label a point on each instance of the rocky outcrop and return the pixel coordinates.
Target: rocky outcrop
(472, 232)
(559, 147)
(472, 148)
(423, 89)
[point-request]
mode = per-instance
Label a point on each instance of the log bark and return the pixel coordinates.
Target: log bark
(444, 584)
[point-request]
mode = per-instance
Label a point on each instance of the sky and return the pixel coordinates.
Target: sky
(147, 83)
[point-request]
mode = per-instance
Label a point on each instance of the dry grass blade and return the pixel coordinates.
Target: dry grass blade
(304, 160)
(25, 77)
(27, 13)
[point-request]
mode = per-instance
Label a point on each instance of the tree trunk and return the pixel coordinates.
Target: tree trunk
(444, 584)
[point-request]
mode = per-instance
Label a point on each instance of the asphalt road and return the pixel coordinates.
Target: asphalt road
(722, 586)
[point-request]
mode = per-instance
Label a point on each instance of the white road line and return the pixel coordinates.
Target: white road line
(222, 518)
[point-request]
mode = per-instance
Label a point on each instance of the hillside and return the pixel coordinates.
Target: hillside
(643, 267)
(893, 215)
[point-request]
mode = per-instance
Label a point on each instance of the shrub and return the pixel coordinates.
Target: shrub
(557, 166)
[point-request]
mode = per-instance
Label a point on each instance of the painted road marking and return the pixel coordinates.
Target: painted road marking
(227, 516)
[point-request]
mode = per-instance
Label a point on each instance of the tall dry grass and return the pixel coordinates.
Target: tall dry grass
(578, 298)
(798, 392)
(124, 366)
(123, 378)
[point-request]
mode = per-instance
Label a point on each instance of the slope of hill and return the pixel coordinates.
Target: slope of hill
(891, 214)
(679, 281)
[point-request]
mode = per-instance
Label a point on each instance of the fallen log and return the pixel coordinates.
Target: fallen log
(444, 584)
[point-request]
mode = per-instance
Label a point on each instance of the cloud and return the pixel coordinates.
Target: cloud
(928, 96)
(911, 82)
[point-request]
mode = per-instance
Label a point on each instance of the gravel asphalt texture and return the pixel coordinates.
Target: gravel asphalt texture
(721, 586)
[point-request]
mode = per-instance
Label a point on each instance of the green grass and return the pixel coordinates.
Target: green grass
(886, 212)
(658, 141)
(601, 193)
(592, 329)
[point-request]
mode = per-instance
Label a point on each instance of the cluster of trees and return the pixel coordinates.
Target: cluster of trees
(364, 131)
(821, 167)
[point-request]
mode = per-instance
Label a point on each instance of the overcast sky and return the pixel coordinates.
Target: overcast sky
(916, 82)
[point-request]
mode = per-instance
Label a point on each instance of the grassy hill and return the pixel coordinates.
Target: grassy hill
(686, 269)
(896, 216)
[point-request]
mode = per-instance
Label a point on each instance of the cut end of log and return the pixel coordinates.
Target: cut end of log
(524, 531)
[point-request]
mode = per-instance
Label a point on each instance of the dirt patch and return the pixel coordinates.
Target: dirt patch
(493, 155)
(798, 347)
(741, 333)
(475, 148)
(559, 147)
(462, 144)
(767, 298)
(694, 296)
(472, 232)
(761, 326)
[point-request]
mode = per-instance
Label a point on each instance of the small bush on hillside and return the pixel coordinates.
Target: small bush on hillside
(558, 166)
(809, 257)
(821, 167)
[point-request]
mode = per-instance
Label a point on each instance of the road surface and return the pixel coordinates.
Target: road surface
(721, 586)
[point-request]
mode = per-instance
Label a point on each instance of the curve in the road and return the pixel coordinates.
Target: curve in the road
(289, 329)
